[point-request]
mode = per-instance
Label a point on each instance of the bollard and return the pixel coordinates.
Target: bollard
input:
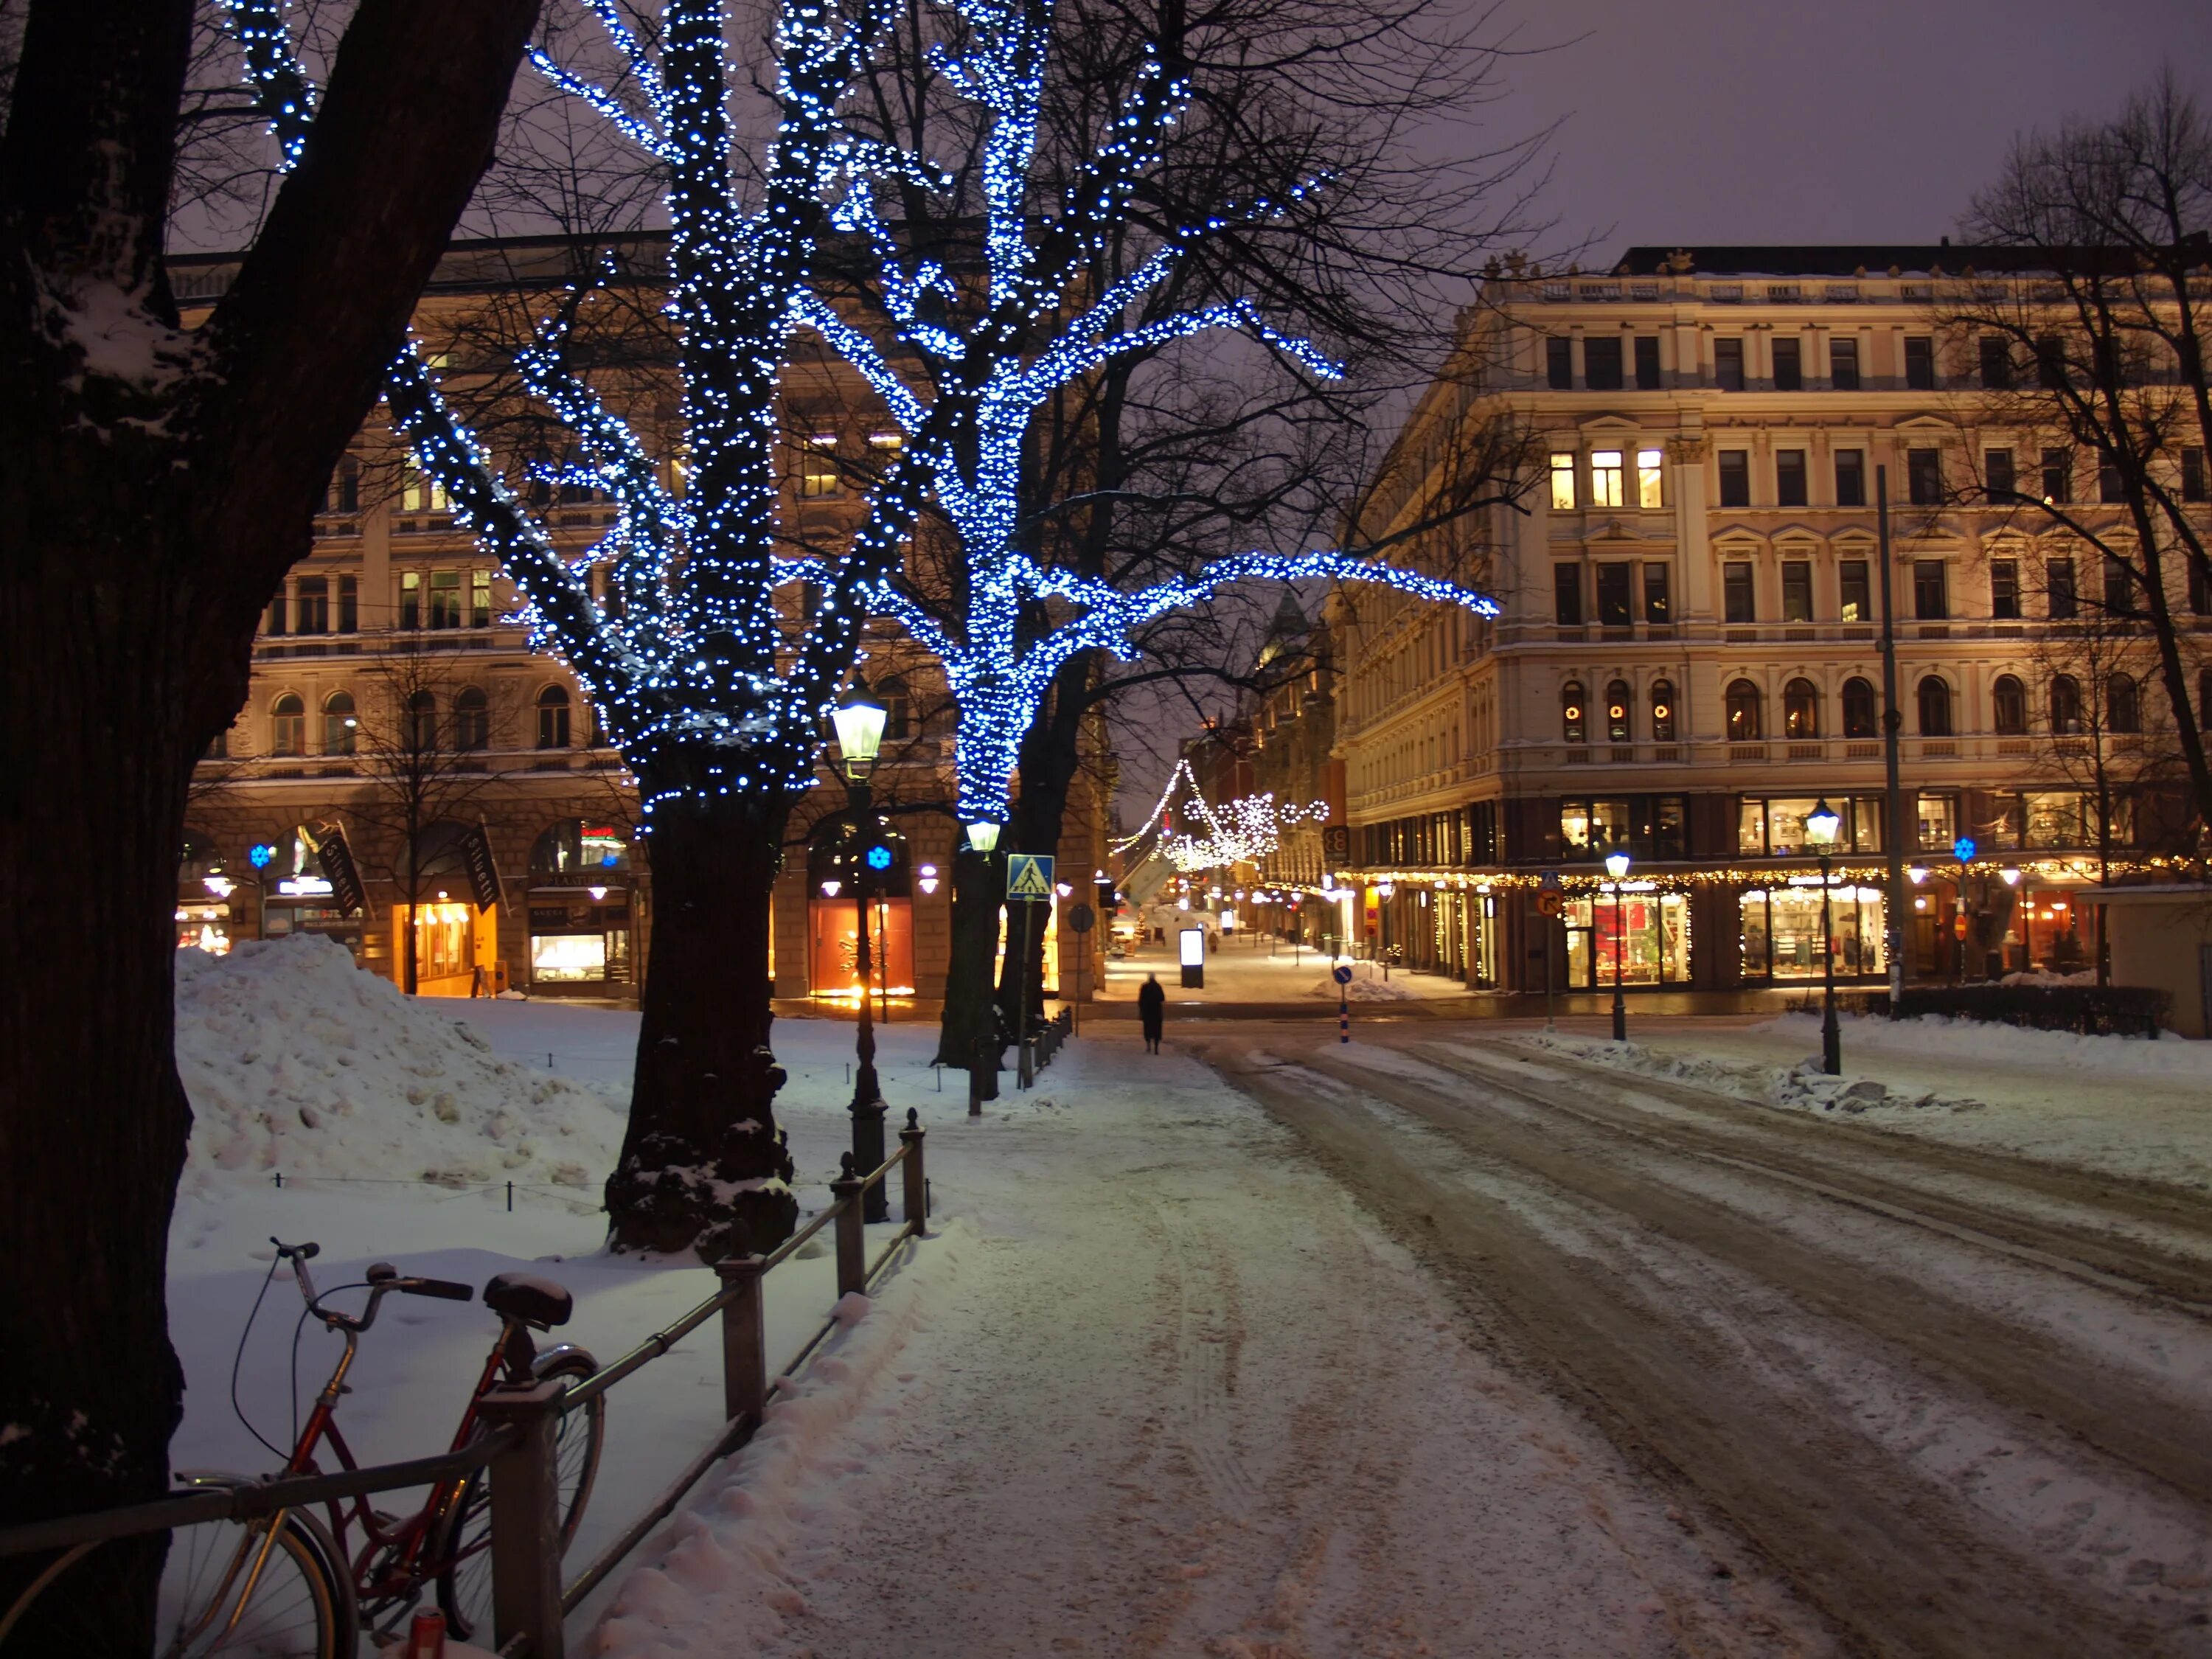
(744, 1339)
(975, 1091)
(526, 1518)
(917, 1184)
(852, 1234)
(510, 1198)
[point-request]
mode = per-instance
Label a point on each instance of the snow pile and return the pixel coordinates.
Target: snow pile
(1803, 1087)
(2044, 976)
(1365, 990)
(1940, 1036)
(297, 1062)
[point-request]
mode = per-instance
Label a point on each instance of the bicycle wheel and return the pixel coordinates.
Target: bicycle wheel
(463, 1538)
(228, 1588)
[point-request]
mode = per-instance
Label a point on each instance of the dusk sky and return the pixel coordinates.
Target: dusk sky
(1727, 121)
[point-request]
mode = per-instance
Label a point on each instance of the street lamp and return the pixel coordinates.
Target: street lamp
(1821, 824)
(860, 724)
(1616, 865)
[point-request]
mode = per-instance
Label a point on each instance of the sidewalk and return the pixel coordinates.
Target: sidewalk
(1157, 1387)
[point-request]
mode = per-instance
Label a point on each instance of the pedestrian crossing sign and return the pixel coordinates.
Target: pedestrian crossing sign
(1028, 876)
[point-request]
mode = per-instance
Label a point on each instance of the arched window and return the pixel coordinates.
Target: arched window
(2123, 704)
(553, 717)
(1801, 709)
(1574, 716)
(1934, 695)
(339, 726)
(1859, 720)
(899, 709)
(423, 723)
(2065, 706)
(471, 720)
(1743, 712)
(1662, 711)
(2008, 707)
(1620, 722)
(288, 725)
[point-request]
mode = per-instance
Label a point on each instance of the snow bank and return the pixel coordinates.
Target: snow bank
(1803, 1087)
(296, 1061)
(1943, 1037)
(1365, 990)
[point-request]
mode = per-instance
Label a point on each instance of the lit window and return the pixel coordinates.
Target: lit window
(1648, 493)
(1563, 481)
(817, 468)
(1605, 478)
(891, 441)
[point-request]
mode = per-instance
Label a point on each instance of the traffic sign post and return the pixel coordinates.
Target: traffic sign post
(1342, 975)
(1550, 903)
(1082, 918)
(1029, 881)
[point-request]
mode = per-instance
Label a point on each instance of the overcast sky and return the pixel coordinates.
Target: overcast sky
(1727, 121)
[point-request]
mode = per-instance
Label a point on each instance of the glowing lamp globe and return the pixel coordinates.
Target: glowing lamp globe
(1821, 824)
(983, 836)
(859, 723)
(1616, 864)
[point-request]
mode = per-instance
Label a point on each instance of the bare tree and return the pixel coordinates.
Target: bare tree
(158, 484)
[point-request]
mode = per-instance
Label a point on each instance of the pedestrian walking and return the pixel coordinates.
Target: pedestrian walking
(1152, 1009)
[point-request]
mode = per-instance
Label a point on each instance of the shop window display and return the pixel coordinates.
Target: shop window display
(1649, 932)
(1781, 930)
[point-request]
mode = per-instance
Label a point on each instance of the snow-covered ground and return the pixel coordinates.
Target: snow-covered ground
(2123, 1104)
(1254, 967)
(1154, 1386)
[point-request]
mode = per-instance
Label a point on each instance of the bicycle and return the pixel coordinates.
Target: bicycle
(294, 1585)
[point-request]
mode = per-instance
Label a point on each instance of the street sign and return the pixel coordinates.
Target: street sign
(1550, 901)
(1550, 882)
(1336, 843)
(1082, 918)
(1341, 973)
(1029, 878)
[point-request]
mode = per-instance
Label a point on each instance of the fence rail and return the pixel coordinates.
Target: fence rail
(528, 1597)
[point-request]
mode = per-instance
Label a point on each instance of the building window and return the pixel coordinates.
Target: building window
(1567, 595)
(471, 720)
(339, 726)
(1559, 365)
(1727, 365)
(1997, 478)
(2110, 490)
(1647, 362)
(1800, 710)
(2123, 705)
(1563, 481)
(2004, 589)
(2062, 603)
(1844, 365)
(2050, 363)
(274, 622)
(2192, 475)
(1574, 713)
(2008, 707)
(1658, 604)
(288, 725)
(1602, 364)
(1743, 712)
(1650, 475)
(1923, 474)
(2121, 588)
(2065, 706)
(480, 599)
(1606, 479)
(1850, 477)
(349, 605)
(899, 709)
(2200, 589)
(1618, 719)
(1859, 720)
(1735, 477)
(445, 598)
(423, 723)
(1996, 362)
(1935, 699)
(1789, 477)
(313, 593)
(1615, 608)
(1931, 600)
(1738, 604)
(419, 492)
(1938, 821)
(1796, 591)
(1789, 365)
(2204, 696)
(410, 599)
(2057, 477)
(1662, 711)
(553, 717)
(342, 495)
(1854, 589)
(1919, 362)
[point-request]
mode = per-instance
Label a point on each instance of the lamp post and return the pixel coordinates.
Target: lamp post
(1616, 865)
(859, 723)
(1820, 827)
(983, 1064)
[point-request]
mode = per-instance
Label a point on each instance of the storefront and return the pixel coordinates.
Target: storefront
(297, 897)
(1636, 930)
(843, 866)
(581, 911)
(1782, 932)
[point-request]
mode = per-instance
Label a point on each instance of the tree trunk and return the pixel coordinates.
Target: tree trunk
(703, 1166)
(969, 1018)
(93, 1117)
(1051, 755)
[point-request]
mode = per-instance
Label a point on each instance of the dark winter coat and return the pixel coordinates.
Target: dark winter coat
(1151, 1007)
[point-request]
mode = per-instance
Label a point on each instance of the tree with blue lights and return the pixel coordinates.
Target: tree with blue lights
(1054, 297)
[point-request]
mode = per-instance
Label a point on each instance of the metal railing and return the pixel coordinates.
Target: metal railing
(522, 1424)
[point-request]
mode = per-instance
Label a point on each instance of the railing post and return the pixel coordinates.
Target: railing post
(1027, 1073)
(744, 1339)
(526, 1518)
(917, 1187)
(852, 1238)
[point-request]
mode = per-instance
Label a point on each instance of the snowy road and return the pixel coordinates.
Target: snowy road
(1964, 1403)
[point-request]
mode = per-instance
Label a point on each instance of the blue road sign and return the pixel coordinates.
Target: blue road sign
(1341, 973)
(1029, 878)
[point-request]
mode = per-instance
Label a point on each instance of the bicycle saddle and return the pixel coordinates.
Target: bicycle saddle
(526, 1297)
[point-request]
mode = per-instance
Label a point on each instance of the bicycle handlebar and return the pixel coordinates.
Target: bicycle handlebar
(443, 1288)
(382, 1278)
